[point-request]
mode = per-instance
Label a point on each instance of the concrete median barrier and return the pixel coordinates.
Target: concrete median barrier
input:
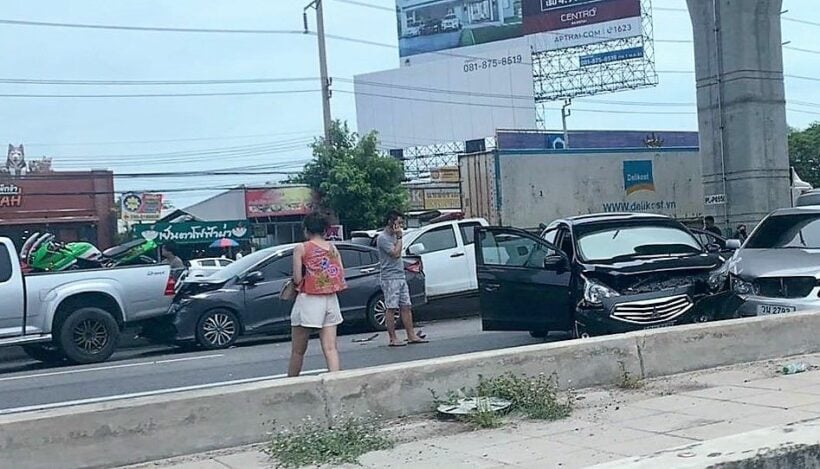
(149, 428)
(709, 345)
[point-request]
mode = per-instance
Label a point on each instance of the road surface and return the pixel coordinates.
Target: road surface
(28, 385)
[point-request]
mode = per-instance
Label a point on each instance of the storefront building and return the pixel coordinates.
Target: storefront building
(271, 215)
(74, 206)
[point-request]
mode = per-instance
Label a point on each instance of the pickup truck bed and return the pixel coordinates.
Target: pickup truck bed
(76, 315)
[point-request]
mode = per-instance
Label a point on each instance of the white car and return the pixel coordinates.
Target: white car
(450, 23)
(412, 30)
(447, 251)
(205, 267)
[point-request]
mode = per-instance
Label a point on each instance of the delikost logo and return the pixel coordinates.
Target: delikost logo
(638, 176)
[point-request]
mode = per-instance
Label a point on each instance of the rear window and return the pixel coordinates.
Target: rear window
(5, 264)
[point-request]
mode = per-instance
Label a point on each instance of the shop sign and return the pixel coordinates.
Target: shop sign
(194, 232)
(278, 201)
(416, 199)
(10, 195)
(141, 206)
(442, 198)
(445, 174)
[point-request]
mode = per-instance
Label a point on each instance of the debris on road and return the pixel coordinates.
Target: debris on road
(365, 339)
(794, 368)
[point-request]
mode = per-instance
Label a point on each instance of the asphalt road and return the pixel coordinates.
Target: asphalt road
(28, 385)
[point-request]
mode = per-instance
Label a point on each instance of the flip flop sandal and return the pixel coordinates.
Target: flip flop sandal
(420, 341)
(400, 344)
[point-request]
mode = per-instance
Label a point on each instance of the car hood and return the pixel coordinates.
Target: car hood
(754, 263)
(652, 275)
(659, 264)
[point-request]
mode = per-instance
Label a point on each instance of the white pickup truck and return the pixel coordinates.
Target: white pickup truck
(77, 315)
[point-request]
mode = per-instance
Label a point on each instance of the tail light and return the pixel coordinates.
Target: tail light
(171, 286)
(416, 267)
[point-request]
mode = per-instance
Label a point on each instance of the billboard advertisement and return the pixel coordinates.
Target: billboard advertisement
(141, 206)
(435, 25)
(430, 26)
(278, 201)
(204, 232)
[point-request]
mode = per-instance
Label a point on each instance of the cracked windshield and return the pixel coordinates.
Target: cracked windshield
(409, 234)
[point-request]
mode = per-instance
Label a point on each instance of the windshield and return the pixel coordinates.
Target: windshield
(800, 231)
(236, 268)
(626, 242)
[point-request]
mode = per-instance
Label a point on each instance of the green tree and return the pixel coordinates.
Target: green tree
(353, 179)
(804, 153)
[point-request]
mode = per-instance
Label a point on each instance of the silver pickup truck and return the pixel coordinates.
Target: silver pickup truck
(76, 316)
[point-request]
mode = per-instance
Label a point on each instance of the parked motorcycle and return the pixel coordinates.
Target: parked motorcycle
(43, 253)
(135, 252)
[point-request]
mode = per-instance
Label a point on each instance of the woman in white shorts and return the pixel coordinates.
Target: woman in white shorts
(320, 275)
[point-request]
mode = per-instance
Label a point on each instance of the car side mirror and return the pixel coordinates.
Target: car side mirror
(253, 278)
(555, 262)
(416, 249)
(733, 244)
(713, 248)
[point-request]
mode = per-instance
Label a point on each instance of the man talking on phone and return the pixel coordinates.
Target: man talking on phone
(393, 280)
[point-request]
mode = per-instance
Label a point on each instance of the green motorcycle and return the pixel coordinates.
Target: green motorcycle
(45, 254)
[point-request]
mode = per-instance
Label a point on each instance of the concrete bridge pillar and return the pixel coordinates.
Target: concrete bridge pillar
(741, 107)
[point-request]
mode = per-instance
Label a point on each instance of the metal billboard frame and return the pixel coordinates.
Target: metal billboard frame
(558, 74)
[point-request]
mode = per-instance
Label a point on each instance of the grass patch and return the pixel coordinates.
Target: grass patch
(628, 381)
(536, 397)
(484, 417)
(314, 444)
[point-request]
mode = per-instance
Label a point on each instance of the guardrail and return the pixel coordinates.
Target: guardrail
(149, 428)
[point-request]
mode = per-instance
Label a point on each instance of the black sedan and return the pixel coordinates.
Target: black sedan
(243, 298)
(597, 274)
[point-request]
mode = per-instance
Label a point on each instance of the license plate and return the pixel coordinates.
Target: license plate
(764, 310)
(660, 326)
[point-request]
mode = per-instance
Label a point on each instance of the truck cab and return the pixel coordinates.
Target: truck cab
(76, 316)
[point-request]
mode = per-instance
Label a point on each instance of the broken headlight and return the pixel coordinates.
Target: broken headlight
(743, 287)
(595, 293)
(719, 278)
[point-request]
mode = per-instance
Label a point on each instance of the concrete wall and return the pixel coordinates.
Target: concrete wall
(137, 430)
(541, 187)
(741, 106)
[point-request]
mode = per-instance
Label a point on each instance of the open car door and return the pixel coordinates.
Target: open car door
(523, 282)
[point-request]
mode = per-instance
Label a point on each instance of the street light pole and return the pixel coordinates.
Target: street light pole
(320, 34)
(566, 112)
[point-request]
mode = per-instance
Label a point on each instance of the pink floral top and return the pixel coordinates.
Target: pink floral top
(324, 274)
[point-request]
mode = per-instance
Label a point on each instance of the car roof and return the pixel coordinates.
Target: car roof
(282, 248)
(612, 217)
(808, 209)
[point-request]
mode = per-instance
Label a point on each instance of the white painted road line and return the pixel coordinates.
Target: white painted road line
(110, 367)
(95, 400)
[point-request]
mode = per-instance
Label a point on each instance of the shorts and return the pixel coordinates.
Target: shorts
(316, 311)
(396, 293)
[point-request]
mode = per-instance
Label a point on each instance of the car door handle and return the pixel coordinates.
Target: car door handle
(491, 287)
(458, 254)
(368, 270)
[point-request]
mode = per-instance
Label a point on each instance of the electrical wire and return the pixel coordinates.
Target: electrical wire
(162, 95)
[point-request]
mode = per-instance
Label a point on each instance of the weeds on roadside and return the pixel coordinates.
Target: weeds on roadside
(484, 416)
(628, 381)
(536, 397)
(314, 444)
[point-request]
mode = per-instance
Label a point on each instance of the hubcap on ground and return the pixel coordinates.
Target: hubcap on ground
(218, 329)
(90, 335)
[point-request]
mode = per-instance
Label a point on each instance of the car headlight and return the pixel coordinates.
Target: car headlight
(743, 287)
(595, 293)
(717, 279)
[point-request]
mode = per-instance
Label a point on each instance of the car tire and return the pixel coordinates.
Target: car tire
(217, 329)
(46, 353)
(376, 310)
(88, 335)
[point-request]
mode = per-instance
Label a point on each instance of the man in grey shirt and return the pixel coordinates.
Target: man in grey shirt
(169, 253)
(393, 281)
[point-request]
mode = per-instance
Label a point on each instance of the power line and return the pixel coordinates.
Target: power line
(159, 95)
(33, 81)
(171, 140)
(151, 28)
(367, 5)
(799, 49)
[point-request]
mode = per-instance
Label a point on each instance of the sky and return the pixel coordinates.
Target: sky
(181, 134)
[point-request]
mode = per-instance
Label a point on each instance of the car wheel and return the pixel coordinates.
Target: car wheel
(88, 335)
(46, 353)
(218, 328)
(376, 313)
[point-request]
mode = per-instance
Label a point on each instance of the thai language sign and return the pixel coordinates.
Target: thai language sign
(194, 232)
(141, 206)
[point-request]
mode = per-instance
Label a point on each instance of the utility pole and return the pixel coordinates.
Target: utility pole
(320, 34)
(566, 112)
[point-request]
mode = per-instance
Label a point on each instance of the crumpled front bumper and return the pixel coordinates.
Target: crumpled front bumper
(753, 305)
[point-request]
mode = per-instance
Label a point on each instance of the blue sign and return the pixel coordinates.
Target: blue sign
(638, 176)
(613, 56)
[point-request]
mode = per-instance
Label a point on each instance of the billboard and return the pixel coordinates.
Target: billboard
(141, 206)
(433, 26)
(278, 201)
